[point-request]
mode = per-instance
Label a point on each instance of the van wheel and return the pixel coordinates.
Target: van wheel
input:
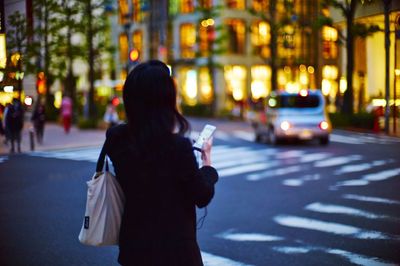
(324, 141)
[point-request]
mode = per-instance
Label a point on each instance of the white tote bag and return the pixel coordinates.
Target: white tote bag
(104, 207)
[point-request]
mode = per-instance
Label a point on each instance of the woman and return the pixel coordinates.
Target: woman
(158, 173)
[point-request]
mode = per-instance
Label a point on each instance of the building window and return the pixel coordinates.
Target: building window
(206, 93)
(289, 42)
(205, 3)
(260, 38)
(188, 82)
(123, 12)
(236, 36)
(137, 14)
(187, 6)
(206, 36)
(123, 47)
(329, 45)
(137, 41)
(187, 40)
(235, 78)
(236, 4)
(260, 82)
(260, 5)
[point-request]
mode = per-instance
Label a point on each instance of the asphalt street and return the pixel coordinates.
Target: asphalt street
(293, 204)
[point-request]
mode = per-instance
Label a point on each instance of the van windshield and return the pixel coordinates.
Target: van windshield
(294, 101)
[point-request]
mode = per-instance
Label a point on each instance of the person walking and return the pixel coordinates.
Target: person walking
(111, 115)
(158, 172)
(39, 120)
(14, 124)
(66, 113)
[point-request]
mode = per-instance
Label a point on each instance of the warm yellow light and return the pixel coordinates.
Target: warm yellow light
(191, 84)
(329, 33)
(210, 22)
(8, 88)
(330, 72)
(237, 94)
(286, 69)
(3, 54)
(292, 87)
(258, 89)
(397, 72)
(326, 87)
(57, 99)
(303, 68)
(303, 93)
(303, 78)
(342, 85)
(310, 69)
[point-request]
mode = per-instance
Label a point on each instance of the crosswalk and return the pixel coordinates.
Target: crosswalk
(263, 163)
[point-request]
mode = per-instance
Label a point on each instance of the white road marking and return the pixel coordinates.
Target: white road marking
(213, 260)
(3, 159)
(255, 237)
(243, 169)
(245, 135)
(328, 227)
(307, 158)
(274, 172)
(337, 161)
(373, 177)
(345, 139)
(296, 182)
(370, 199)
(337, 209)
(351, 257)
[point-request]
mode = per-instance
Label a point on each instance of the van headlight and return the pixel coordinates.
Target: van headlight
(285, 125)
(324, 125)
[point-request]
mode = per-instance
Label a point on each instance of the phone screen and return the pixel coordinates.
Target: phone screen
(205, 134)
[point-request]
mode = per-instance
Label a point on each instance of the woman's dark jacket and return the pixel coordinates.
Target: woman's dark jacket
(162, 190)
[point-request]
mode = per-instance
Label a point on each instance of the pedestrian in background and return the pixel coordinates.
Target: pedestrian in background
(66, 113)
(158, 172)
(111, 115)
(14, 124)
(2, 131)
(39, 120)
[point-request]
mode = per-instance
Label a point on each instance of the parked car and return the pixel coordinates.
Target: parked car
(287, 115)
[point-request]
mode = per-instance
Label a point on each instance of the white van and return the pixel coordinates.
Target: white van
(299, 115)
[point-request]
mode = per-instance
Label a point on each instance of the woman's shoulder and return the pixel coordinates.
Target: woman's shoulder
(182, 142)
(120, 130)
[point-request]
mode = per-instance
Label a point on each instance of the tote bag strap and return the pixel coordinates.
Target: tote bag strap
(100, 161)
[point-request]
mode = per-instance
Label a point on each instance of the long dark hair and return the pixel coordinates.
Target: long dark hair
(149, 96)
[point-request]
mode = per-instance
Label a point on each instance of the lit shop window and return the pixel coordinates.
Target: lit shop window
(205, 3)
(329, 45)
(236, 4)
(206, 93)
(329, 84)
(123, 47)
(123, 12)
(260, 5)
(187, 6)
(289, 41)
(187, 40)
(260, 38)
(137, 40)
(188, 82)
(137, 14)
(260, 83)
(206, 36)
(236, 36)
(235, 78)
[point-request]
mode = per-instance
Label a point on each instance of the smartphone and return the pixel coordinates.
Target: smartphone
(205, 134)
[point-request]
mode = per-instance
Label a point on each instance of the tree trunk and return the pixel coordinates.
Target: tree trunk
(92, 111)
(387, 4)
(273, 45)
(348, 98)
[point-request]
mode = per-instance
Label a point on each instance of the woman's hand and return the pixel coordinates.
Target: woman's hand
(206, 152)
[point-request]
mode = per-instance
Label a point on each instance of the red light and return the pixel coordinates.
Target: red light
(324, 125)
(115, 101)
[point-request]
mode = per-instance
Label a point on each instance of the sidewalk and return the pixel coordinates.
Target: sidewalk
(55, 138)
